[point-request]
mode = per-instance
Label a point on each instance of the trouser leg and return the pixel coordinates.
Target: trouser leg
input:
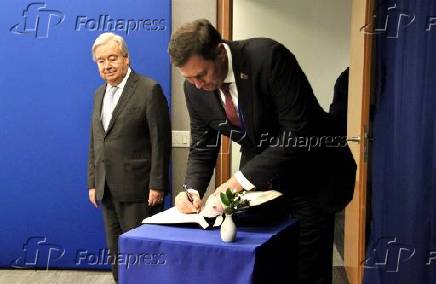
(120, 217)
(113, 230)
(315, 250)
(131, 214)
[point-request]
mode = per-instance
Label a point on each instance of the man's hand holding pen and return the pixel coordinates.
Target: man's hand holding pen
(188, 201)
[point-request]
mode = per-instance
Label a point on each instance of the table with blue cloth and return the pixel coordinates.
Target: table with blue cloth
(174, 254)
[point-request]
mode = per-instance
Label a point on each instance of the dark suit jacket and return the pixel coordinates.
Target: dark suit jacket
(133, 154)
(339, 105)
(282, 123)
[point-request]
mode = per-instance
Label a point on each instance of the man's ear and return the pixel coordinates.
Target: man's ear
(220, 50)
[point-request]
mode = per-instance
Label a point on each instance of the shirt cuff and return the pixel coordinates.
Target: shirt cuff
(193, 191)
(245, 183)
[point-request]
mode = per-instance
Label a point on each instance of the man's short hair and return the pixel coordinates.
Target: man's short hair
(107, 37)
(194, 38)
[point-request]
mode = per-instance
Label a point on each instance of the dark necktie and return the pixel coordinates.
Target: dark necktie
(229, 107)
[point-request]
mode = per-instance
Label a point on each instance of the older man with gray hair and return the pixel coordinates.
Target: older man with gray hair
(130, 143)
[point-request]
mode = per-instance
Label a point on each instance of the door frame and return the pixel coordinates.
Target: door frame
(225, 27)
(358, 124)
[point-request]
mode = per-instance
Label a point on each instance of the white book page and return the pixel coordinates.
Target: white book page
(174, 216)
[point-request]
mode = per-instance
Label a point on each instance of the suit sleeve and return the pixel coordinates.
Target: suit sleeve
(294, 102)
(205, 144)
(158, 120)
(338, 107)
(91, 162)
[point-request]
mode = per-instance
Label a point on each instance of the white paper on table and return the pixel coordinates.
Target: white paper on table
(174, 216)
(259, 197)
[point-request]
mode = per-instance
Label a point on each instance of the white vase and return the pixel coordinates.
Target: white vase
(228, 229)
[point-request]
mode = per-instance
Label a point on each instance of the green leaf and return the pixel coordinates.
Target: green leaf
(230, 194)
(224, 199)
(228, 210)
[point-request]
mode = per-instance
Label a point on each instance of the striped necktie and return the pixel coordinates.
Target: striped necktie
(229, 107)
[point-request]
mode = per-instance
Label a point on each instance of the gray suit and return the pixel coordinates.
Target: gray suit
(131, 157)
(133, 154)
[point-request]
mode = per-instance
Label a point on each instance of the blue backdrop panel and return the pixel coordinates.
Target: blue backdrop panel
(402, 243)
(47, 84)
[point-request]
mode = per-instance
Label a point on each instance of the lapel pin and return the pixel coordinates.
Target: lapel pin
(244, 76)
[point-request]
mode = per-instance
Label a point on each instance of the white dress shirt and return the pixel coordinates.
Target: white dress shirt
(230, 78)
(107, 110)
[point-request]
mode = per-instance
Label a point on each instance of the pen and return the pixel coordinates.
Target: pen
(188, 194)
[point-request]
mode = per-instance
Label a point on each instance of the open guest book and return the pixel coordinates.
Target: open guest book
(174, 216)
(263, 204)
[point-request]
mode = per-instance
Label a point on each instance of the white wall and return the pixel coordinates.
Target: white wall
(185, 11)
(316, 31)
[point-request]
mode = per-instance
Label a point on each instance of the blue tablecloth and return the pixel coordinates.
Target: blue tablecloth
(172, 254)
